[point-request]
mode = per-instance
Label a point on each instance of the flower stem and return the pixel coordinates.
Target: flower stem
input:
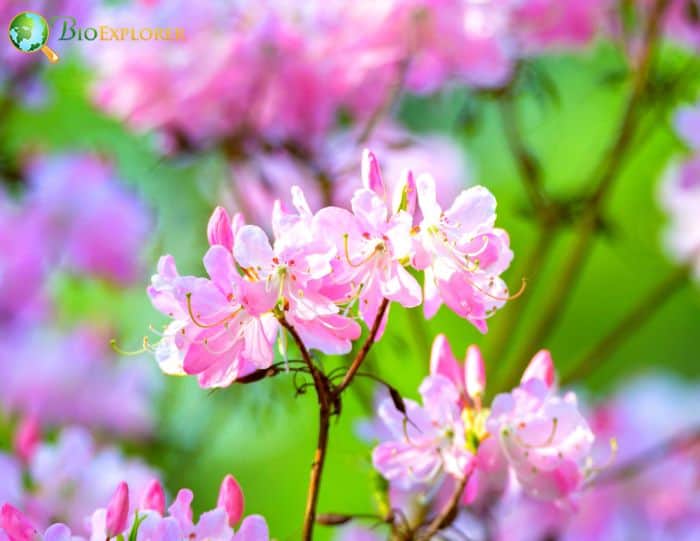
(324, 395)
(556, 302)
(446, 516)
(645, 309)
(362, 354)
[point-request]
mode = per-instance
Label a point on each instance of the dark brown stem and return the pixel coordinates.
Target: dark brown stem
(554, 305)
(364, 350)
(446, 516)
(644, 310)
(525, 161)
(323, 392)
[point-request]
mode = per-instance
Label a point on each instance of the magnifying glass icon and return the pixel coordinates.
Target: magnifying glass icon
(29, 33)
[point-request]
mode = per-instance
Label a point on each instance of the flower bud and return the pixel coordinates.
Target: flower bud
(27, 438)
(118, 511)
(153, 498)
(474, 372)
(231, 499)
(371, 174)
(541, 367)
(15, 524)
(219, 229)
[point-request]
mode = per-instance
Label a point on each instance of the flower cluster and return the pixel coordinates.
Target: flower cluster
(65, 223)
(65, 480)
(533, 431)
(681, 193)
(147, 519)
(321, 267)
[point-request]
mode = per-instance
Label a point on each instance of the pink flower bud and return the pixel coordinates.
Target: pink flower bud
(474, 372)
(231, 499)
(541, 367)
(118, 511)
(219, 228)
(27, 438)
(153, 498)
(15, 524)
(371, 174)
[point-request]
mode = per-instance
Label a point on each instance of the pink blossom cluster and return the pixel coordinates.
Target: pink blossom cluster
(65, 221)
(71, 377)
(266, 176)
(279, 72)
(324, 267)
(533, 432)
(65, 480)
(681, 193)
(651, 490)
(147, 518)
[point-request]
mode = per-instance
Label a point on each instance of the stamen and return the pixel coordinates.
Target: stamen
(550, 439)
(205, 325)
(144, 348)
(364, 261)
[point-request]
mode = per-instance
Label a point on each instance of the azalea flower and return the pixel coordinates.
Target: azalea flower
(461, 253)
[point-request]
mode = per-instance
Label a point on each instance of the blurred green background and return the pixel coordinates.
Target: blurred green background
(262, 433)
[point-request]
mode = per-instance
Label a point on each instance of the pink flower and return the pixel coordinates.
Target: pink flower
(153, 498)
(222, 330)
(680, 194)
(117, 511)
(544, 437)
(27, 438)
(231, 499)
(15, 525)
(461, 253)
(373, 244)
(428, 441)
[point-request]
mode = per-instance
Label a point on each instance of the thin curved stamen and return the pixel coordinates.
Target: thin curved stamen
(362, 262)
(206, 325)
(547, 443)
(146, 347)
(523, 285)
(593, 470)
(480, 250)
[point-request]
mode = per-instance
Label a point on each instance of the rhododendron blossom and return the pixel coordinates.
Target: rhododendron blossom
(318, 268)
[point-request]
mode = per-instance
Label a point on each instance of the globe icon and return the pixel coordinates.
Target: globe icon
(29, 33)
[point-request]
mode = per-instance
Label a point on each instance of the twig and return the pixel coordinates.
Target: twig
(445, 517)
(323, 393)
(646, 308)
(362, 354)
(556, 302)
(525, 161)
(651, 457)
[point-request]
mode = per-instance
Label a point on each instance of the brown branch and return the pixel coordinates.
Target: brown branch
(525, 161)
(446, 516)
(362, 354)
(324, 395)
(554, 305)
(651, 457)
(644, 310)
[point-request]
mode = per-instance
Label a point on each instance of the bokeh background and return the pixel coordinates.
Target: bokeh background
(570, 109)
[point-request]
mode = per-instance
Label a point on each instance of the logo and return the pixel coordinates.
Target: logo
(29, 33)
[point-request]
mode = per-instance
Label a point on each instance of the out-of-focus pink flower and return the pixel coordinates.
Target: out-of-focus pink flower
(462, 253)
(427, 441)
(178, 524)
(42, 373)
(683, 22)
(544, 437)
(73, 477)
(544, 24)
(15, 525)
(82, 204)
(27, 437)
(231, 499)
(153, 498)
(680, 194)
(117, 511)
